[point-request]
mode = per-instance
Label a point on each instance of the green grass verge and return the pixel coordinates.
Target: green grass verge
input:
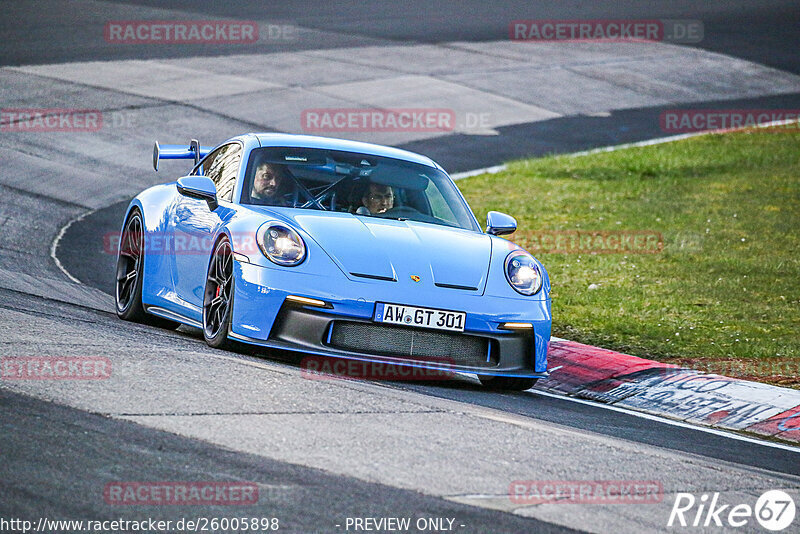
(724, 292)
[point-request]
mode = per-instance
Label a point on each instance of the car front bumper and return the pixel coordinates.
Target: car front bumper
(344, 327)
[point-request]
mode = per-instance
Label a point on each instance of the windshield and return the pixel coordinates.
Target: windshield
(361, 184)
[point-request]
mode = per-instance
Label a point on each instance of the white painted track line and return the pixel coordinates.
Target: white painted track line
(59, 236)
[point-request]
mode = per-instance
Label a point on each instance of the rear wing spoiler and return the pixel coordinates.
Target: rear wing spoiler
(193, 151)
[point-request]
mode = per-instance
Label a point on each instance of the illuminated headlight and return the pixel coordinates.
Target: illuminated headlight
(281, 244)
(523, 273)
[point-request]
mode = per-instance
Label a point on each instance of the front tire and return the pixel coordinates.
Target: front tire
(129, 278)
(507, 383)
(130, 262)
(218, 297)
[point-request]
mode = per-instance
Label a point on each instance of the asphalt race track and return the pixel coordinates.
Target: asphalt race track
(323, 451)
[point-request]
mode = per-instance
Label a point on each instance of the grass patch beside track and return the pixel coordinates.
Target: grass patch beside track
(723, 295)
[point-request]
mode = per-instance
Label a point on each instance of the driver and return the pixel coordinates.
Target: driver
(377, 199)
(269, 185)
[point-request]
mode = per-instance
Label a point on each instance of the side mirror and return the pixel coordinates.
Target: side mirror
(499, 223)
(200, 187)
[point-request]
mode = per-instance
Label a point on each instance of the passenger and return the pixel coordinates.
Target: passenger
(270, 185)
(376, 200)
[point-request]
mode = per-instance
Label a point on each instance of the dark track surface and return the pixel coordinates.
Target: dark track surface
(93, 451)
(98, 269)
(621, 425)
(458, 153)
(55, 460)
(760, 31)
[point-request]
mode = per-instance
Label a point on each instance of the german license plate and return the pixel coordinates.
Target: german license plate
(421, 317)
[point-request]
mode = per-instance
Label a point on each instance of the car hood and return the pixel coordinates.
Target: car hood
(367, 247)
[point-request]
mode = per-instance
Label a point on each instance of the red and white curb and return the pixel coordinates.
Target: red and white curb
(671, 391)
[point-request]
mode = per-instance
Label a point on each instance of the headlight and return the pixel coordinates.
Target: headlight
(523, 273)
(281, 244)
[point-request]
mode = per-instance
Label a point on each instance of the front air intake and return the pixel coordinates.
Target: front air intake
(412, 344)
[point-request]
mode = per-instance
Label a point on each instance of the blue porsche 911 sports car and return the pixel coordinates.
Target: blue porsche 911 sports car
(336, 249)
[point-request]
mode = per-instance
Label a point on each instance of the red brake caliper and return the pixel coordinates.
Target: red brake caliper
(218, 290)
